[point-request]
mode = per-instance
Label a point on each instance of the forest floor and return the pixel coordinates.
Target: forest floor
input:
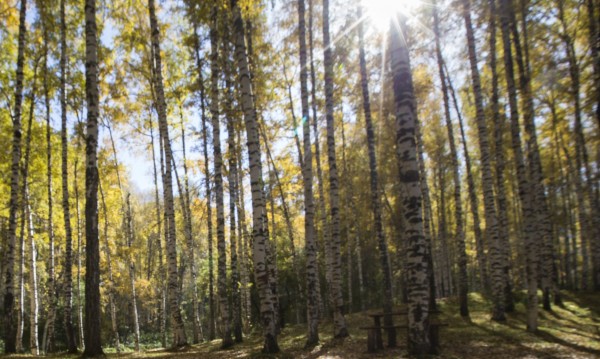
(572, 331)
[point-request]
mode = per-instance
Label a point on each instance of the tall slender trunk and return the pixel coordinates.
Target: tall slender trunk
(93, 344)
(161, 269)
(234, 240)
(428, 228)
(243, 234)
(375, 189)
(310, 244)
(224, 320)
(26, 227)
(463, 288)
(199, 65)
(24, 223)
(286, 215)
(78, 221)
(196, 325)
(336, 298)
(581, 155)
(499, 120)
(179, 337)
(68, 266)
(472, 191)
(321, 208)
(536, 173)
(111, 287)
(487, 181)
(48, 333)
(9, 275)
(33, 288)
(417, 269)
(524, 188)
(130, 235)
(260, 232)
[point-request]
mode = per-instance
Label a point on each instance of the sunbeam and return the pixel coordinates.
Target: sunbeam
(380, 12)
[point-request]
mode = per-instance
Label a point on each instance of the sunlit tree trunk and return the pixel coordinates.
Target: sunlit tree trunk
(130, 235)
(536, 175)
(428, 229)
(310, 244)
(224, 320)
(260, 233)
(524, 188)
(472, 192)
(10, 325)
(336, 298)
(161, 269)
(320, 209)
(27, 229)
(487, 180)
(207, 176)
(384, 257)
(33, 288)
(179, 337)
(234, 240)
(68, 266)
(243, 234)
(417, 279)
(197, 324)
(111, 286)
(463, 288)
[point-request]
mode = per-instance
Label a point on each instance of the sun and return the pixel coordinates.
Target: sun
(380, 12)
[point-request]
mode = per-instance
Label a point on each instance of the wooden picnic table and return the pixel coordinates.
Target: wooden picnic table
(375, 340)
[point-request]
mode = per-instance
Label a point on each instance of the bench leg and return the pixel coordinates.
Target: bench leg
(434, 338)
(372, 341)
(391, 337)
(379, 338)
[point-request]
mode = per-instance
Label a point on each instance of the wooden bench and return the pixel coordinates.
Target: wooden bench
(374, 334)
(374, 339)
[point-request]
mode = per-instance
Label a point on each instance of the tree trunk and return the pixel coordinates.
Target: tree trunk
(375, 192)
(321, 208)
(536, 173)
(93, 344)
(111, 287)
(499, 120)
(428, 229)
(310, 244)
(410, 193)
(479, 243)
(130, 235)
(224, 320)
(10, 326)
(179, 337)
(33, 288)
(336, 298)
(197, 324)
(77, 213)
(161, 268)
(234, 241)
(211, 319)
(463, 288)
(243, 235)
(68, 286)
(260, 233)
(27, 227)
(524, 188)
(495, 251)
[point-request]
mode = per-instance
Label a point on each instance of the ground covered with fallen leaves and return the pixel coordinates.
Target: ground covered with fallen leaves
(571, 331)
